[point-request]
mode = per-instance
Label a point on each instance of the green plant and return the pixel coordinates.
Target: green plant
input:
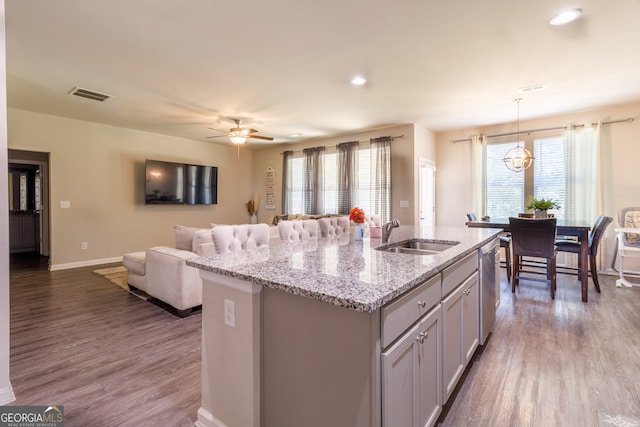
(542, 204)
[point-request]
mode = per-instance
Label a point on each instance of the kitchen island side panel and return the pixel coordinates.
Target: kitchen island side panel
(320, 363)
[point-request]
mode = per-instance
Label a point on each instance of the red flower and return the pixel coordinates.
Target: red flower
(356, 215)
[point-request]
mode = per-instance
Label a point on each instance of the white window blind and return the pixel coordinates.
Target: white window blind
(549, 169)
(365, 183)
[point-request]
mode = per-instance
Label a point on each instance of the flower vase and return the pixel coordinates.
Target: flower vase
(358, 232)
(254, 219)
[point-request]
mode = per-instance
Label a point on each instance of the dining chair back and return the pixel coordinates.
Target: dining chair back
(298, 230)
(505, 243)
(573, 246)
(235, 238)
(533, 238)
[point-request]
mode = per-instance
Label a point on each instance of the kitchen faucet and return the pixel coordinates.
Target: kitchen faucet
(387, 228)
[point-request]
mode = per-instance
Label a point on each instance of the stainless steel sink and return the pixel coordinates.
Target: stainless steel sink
(419, 246)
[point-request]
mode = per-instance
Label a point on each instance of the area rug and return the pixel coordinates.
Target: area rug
(608, 420)
(118, 276)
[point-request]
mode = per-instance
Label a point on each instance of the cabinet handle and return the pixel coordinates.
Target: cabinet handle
(422, 336)
(422, 304)
(466, 292)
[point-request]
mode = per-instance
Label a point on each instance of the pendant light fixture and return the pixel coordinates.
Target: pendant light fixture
(519, 158)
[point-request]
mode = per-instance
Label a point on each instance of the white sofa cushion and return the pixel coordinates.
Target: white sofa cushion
(298, 230)
(184, 236)
(203, 243)
(233, 238)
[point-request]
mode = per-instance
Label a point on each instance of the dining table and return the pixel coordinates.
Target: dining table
(579, 229)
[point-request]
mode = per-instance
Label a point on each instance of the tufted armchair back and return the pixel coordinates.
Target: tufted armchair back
(298, 230)
(372, 221)
(334, 226)
(234, 238)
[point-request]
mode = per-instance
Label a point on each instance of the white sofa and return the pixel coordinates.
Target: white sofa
(163, 274)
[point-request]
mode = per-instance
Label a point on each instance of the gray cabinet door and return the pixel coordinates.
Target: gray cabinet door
(452, 350)
(470, 317)
(400, 381)
(411, 387)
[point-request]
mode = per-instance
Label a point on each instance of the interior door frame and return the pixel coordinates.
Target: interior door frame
(20, 157)
(426, 166)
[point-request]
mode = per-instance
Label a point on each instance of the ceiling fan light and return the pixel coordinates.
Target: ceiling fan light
(238, 139)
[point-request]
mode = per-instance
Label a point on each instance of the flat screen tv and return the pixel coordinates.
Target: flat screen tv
(171, 183)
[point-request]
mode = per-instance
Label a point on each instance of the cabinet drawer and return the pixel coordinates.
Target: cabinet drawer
(458, 273)
(403, 312)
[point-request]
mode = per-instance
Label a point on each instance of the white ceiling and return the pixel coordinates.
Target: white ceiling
(176, 66)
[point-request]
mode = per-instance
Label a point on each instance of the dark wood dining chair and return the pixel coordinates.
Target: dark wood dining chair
(573, 246)
(534, 238)
(505, 242)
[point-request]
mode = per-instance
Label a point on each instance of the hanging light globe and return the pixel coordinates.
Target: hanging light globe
(518, 159)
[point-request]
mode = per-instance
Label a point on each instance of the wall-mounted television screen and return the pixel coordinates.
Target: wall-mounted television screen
(171, 183)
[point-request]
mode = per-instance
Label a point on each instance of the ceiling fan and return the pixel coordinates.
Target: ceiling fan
(239, 135)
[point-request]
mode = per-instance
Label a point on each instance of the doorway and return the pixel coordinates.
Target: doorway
(28, 205)
(427, 193)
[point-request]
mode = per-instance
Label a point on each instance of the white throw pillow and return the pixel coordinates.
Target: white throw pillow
(184, 236)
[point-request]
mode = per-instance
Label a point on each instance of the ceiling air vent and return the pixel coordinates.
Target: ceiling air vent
(90, 94)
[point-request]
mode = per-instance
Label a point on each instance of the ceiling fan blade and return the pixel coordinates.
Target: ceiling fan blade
(217, 130)
(266, 138)
(216, 136)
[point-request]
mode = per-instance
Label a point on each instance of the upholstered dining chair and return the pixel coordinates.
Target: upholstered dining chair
(505, 243)
(234, 238)
(298, 230)
(573, 246)
(534, 238)
(333, 226)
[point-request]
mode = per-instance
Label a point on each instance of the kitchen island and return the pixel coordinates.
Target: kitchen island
(336, 332)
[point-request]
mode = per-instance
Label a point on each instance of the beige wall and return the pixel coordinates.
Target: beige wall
(454, 193)
(6, 391)
(100, 170)
(404, 162)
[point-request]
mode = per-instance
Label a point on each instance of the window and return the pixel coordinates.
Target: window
(505, 190)
(367, 193)
(549, 171)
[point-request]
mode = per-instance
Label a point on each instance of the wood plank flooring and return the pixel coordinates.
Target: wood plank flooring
(114, 360)
(554, 363)
(109, 357)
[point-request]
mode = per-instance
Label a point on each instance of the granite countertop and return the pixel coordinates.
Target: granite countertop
(344, 272)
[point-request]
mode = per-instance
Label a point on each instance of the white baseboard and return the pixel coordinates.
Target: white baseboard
(6, 395)
(87, 263)
(206, 419)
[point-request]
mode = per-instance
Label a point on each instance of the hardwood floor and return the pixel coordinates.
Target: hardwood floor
(554, 363)
(114, 360)
(109, 357)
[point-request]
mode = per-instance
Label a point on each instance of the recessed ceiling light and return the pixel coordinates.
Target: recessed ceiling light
(566, 16)
(296, 135)
(358, 81)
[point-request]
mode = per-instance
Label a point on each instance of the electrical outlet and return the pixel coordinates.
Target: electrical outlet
(404, 203)
(65, 204)
(84, 245)
(229, 313)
